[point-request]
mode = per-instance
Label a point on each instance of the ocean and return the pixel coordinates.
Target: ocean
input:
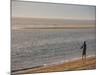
(35, 47)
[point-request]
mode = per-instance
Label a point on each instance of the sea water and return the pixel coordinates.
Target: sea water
(34, 47)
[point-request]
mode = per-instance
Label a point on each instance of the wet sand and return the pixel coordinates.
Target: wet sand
(77, 64)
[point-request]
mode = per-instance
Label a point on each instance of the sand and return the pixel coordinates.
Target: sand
(77, 64)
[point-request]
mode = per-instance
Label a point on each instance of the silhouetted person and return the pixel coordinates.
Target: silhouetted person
(84, 47)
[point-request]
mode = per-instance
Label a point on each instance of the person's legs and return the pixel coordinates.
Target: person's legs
(83, 59)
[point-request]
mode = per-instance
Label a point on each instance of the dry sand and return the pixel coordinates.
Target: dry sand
(67, 66)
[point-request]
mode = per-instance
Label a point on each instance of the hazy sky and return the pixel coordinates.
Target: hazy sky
(48, 10)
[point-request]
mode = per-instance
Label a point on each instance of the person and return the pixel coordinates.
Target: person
(84, 47)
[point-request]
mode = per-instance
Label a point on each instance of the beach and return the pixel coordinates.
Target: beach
(73, 65)
(37, 42)
(52, 38)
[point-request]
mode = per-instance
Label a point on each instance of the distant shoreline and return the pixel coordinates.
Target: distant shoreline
(32, 28)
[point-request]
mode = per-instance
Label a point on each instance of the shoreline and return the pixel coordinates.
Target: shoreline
(71, 65)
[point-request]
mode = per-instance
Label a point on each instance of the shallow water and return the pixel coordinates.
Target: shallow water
(47, 46)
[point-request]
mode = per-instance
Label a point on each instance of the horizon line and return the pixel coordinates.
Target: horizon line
(49, 18)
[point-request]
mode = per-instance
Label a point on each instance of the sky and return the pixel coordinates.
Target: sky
(52, 10)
